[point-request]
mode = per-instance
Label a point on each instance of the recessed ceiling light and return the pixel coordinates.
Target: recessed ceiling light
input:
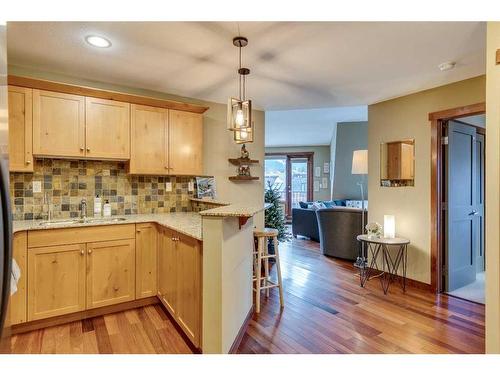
(447, 66)
(98, 41)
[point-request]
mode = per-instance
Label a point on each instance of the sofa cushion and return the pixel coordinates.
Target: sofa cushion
(339, 202)
(303, 205)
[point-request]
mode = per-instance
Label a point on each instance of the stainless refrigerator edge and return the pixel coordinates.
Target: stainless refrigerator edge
(5, 213)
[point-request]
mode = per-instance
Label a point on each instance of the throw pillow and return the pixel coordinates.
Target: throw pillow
(303, 205)
(318, 205)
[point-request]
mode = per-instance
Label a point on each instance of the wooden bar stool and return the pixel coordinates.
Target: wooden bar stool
(260, 256)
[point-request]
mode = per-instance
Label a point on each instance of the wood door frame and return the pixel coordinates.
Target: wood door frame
(437, 119)
(309, 155)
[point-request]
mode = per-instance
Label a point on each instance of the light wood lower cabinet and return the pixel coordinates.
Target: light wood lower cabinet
(110, 272)
(17, 305)
(167, 270)
(56, 280)
(179, 275)
(146, 243)
(189, 287)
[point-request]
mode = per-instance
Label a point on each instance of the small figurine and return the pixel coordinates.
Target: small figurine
(244, 170)
(244, 153)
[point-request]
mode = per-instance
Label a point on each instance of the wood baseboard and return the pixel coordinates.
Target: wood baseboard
(241, 332)
(63, 319)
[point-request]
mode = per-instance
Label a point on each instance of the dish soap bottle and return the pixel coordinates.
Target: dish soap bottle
(107, 209)
(97, 205)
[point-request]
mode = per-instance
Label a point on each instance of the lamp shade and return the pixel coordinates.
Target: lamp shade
(389, 226)
(360, 162)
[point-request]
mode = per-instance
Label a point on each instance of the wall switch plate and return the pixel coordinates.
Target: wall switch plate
(37, 186)
(190, 186)
(168, 186)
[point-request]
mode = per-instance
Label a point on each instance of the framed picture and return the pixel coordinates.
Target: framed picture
(326, 167)
(205, 188)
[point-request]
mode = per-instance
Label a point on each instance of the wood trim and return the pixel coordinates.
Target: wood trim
(103, 94)
(437, 119)
(467, 110)
(68, 318)
(309, 155)
(241, 332)
(498, 57)
(409, 282)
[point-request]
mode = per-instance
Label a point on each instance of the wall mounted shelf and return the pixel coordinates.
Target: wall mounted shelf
(242, 161)
(242, 178)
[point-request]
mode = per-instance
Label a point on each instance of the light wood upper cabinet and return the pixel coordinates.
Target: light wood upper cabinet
(20, 129)
(185, 143)
(17, 305)
(58, 124)
(149, 129)
(146, 244)
(56, 280)
(111, 272)
(167, 270)
(107, 129)
(189, 286)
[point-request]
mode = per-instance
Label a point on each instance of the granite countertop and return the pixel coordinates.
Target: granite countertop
(237, 209)
(188, 223)
(210, 201)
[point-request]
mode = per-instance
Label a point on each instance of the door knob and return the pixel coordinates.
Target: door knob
(473, 213)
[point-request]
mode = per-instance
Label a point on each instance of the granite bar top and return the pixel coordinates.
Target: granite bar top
(237, 209)
(210, 201)
(188, 223)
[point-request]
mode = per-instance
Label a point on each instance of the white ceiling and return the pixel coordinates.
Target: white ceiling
(294, 64)
(308, 127)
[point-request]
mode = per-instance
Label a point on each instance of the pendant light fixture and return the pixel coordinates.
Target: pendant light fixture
(239, 110)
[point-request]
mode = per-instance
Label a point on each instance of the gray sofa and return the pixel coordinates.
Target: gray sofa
(338, 228)
(304, 223)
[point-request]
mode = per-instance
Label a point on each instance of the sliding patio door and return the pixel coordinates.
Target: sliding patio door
(291, 174)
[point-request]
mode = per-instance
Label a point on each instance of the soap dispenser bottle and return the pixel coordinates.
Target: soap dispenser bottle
(107, 209)
(97, 205)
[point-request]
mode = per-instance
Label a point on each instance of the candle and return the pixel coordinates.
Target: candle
(389, 226)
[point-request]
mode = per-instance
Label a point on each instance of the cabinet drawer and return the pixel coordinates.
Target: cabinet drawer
(64, 236)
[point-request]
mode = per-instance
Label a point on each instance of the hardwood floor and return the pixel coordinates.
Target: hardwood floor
(326, 311)
(138, 331)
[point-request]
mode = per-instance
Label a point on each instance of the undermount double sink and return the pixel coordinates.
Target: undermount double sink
(89, 220)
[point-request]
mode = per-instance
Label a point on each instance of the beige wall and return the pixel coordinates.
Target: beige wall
(407, 117)
(492, 190)
(218, 142)
(321, 156)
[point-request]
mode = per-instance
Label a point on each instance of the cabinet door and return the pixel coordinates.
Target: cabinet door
(185, 143)
(56, 280)
(58, 124)
(148, 152)
(20, 129)
(17, 305)
(107, 129)
(167, 271)
(110, 273)
(189, 287)
(146, 250)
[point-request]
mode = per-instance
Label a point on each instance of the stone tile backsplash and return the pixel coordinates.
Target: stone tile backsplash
(67, 182)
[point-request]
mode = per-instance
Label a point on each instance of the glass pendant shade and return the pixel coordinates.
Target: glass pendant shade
(239, 114)
(244, 135)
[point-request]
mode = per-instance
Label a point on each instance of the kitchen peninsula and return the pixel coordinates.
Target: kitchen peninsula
(198, 265)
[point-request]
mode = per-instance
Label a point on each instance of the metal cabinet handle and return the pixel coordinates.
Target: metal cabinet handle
(82, 148)
(90, 251)
(28, 161)
(88, 149)
(82, 252)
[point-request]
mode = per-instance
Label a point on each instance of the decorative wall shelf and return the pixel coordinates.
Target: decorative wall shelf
(242, 161)
(243, 178)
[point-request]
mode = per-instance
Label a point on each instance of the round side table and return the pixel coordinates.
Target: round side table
(390, 265)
